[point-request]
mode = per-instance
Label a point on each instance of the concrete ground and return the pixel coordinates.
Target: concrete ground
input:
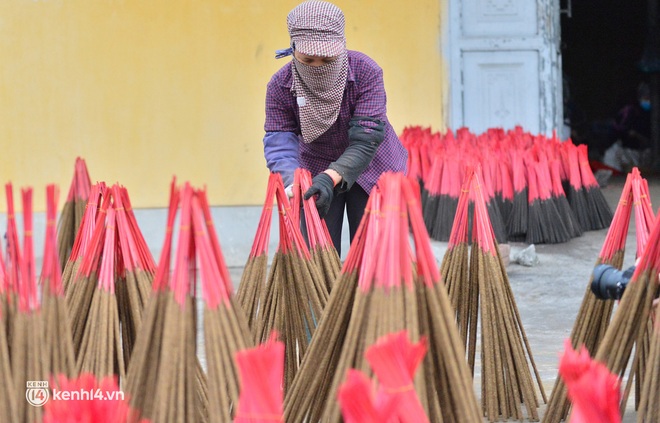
(549, 294)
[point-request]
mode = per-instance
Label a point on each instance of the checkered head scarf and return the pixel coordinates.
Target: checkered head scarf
(317, 29)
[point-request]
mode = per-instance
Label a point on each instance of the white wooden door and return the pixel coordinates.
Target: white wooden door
(504, 64)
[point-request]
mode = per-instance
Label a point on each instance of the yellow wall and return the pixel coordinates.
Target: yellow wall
(147, 89)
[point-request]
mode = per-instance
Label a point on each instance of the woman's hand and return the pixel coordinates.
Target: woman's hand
(323, 186)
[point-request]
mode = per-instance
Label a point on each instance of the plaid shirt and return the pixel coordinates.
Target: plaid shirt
(364, 96)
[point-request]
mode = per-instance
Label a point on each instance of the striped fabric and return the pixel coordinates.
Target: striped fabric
(316, 28)
(318, 91)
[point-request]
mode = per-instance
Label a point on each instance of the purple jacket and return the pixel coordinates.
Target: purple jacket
(364, 96)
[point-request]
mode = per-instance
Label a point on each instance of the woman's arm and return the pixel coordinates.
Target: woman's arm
(281, 153)
(367, 127)
(281, 126)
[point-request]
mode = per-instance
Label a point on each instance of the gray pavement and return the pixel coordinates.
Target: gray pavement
(549, 294)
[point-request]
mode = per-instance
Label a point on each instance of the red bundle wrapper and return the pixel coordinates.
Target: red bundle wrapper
(261, 372)
(593, 390)
(359, 404)
(394, 360)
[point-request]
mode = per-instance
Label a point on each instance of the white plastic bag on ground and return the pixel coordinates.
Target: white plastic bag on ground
(527, 257)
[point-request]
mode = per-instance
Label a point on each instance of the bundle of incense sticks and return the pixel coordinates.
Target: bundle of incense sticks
(480, 287)
(594, 314)
(545, 224)
(100, 349)
(13, 264)
(226, 331)
(312, 384)
(73, 210)
(8, 398)
(644, 221)
(630, 325)
(321, 248)
(442, 196)
(648, 409)
(110, 286)
(463, 295)
(135, 270)
(7, 394)
(599, 210)
(253, 280)
(80, 276)
(93, 212)
(567, 215)
(583, 193)
(58, 340)
(295, 293)
(415, 140)
(165, 379)
(503, 187)
(26, 348)
(518, 221)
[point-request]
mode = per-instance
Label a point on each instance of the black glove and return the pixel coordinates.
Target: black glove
(323, 185)
(363, 143)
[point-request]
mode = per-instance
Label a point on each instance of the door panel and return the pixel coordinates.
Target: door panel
(505, 69)
(501, 89)
(499, 18)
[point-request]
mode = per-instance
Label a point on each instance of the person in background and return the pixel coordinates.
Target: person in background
(326, 112)
(633, 123)
(631, 133)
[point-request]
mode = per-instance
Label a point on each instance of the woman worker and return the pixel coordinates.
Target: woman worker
(326, 112)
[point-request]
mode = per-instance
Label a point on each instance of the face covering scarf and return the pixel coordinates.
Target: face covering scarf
(319, 91)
